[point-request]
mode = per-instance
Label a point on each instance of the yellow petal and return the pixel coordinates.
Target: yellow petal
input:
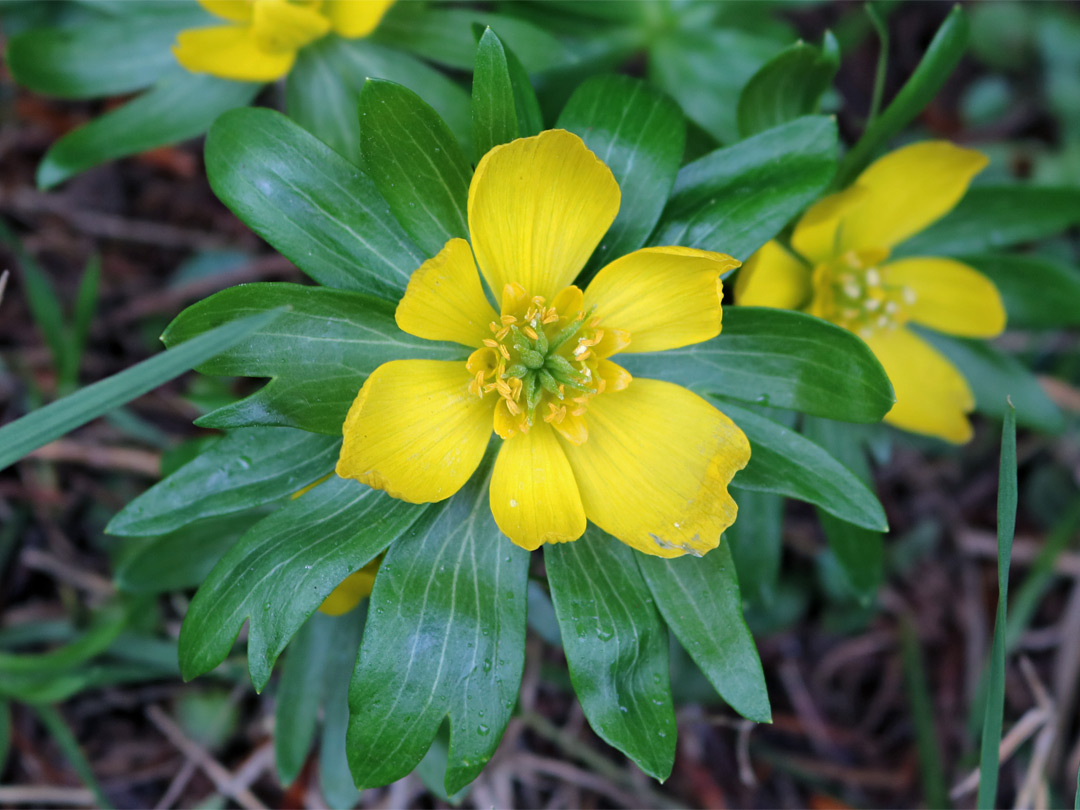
(949, 296)
(235, 10)
(415, 431)
(814, 237)
(656, 468)
(534, 497)
(538, 207)
(281, 26)
(772, 277)
(444, 299)
(907, 190)
(665, 297)
(230, 52)
(932, 396)
(355, 18)
(352, 590)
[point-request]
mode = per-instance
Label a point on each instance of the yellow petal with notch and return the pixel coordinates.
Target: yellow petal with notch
(656, 468)
(230, 52)
(538, 207)
(534, 496)
(773, 277)
(665, 297)
(932, 396)
(444, 299)
(415, 431)
(949, 296)
(355, 18)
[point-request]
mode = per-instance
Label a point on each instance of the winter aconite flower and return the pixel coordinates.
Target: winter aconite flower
(263, 37)
(647, 461)
(841, 271)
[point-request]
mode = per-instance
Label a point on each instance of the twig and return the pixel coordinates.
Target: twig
(983, 545)
(3, 283)
(88, 581)
(102, 457)
(219, 775)
(585, 779)
(177, 785)
(47, 795)
(1032, 721)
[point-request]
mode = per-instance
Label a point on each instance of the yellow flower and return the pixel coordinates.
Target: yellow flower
(842, 273)
(647, 461)
(352, 591)
(261, 43)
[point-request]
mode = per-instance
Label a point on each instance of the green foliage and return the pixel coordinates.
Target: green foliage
(778, 358)
(504, 104)
(1039, 292)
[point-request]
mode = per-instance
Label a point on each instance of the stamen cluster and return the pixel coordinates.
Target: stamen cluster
(851, 292)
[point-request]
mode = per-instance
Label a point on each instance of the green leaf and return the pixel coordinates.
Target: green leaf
(245, 468)
(504, 103)
(993, 376)
(734, 200)
(57, 418)
(756, 544)
(335, 781)
(705, 70)
(104, 58)
(1039, 292)
(639, 133)
(5, 733)
(859, 552)
(282, 570)
(323, 88)
(941, 56)
(183, 558)
(180, 106)
(108, 624)
(309, 203)
(300, 694)
(778, 358)
(993, 217)
(41, 298)
(699, 600)
(786, 463)
(445, 637)
(995, 696)
(416, 164)
(318, 354)
(923, 716)
(86, 301)
(69, 746)
(616, 646)
(788, 86)
(444, 35)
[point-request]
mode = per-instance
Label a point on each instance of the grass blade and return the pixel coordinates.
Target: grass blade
(69, 747)
(57, 418)
(995, 696)
(85, 306)
(922, 713)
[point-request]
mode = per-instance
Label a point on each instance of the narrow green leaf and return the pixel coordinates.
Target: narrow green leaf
(993, 376)
(282, 570)
(494, 109)
(923, 715)
(993, 217)
(105, 58)
(309, 203)
(416, 164)
(60, 732)
(86, 301)
(859, 551)
(616, 646)
(57, 418)
(108, 624)
(941, 56)
(699, 600)
(995, 696)
(781, 359)
(41, 298)
(245, 468)
(317, 354)
(300, 694)
(788, 86)
(179, 106)
(756, 544)
(445, 637)
(1039, 292)
(736, 199)
(639, 133)
(786, 463)
(323, 88)
(5, 733)
(335, 781)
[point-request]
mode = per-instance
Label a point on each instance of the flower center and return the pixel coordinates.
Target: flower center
(541, 358)
(851, 292)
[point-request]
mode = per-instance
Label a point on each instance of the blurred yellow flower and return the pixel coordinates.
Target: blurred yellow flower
(354, 589)
(840, 271)
(261, 43)
(647, 461)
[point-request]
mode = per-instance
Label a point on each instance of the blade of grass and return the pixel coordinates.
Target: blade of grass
(85, 306)
(41, 298)
(995, 696)
(1076, 800)
(69, 747)
(922, 713)
(57, 418)
(882, 31)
